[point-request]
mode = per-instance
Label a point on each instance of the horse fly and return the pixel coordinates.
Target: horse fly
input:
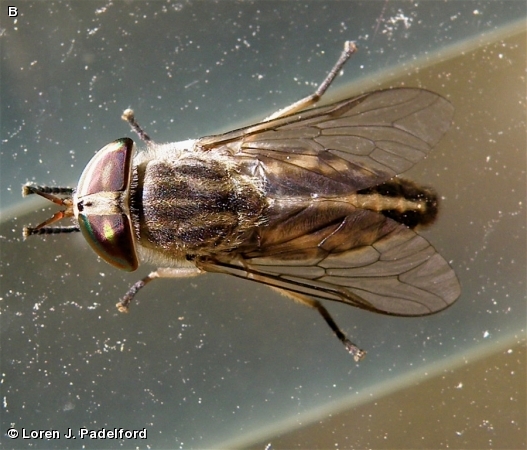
(306, 201)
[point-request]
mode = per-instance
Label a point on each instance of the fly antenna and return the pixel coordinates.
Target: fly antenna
(27, 231)
(29, 189)
(51, 193)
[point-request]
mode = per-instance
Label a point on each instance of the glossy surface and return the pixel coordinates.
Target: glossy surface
(109, 170)
(101, 202)
(111, 237)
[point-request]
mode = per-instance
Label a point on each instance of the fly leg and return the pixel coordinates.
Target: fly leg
(129, 116)
(162, 272)
(352, 349)
(349, 49)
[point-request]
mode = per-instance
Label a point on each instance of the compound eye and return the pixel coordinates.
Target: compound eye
(111, 237)
(109, 170)
(101, 194)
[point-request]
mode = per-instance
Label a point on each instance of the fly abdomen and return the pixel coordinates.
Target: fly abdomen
(401, 200)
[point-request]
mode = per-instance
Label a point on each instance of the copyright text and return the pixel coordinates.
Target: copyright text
(82, 433)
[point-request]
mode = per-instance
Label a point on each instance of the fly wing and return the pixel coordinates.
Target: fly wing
(356, 143)
(339, 252)
(387, 268)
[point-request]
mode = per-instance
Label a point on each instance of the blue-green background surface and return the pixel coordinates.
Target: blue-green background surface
(213, 361)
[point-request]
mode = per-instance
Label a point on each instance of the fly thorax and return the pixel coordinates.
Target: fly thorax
(193, 206)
